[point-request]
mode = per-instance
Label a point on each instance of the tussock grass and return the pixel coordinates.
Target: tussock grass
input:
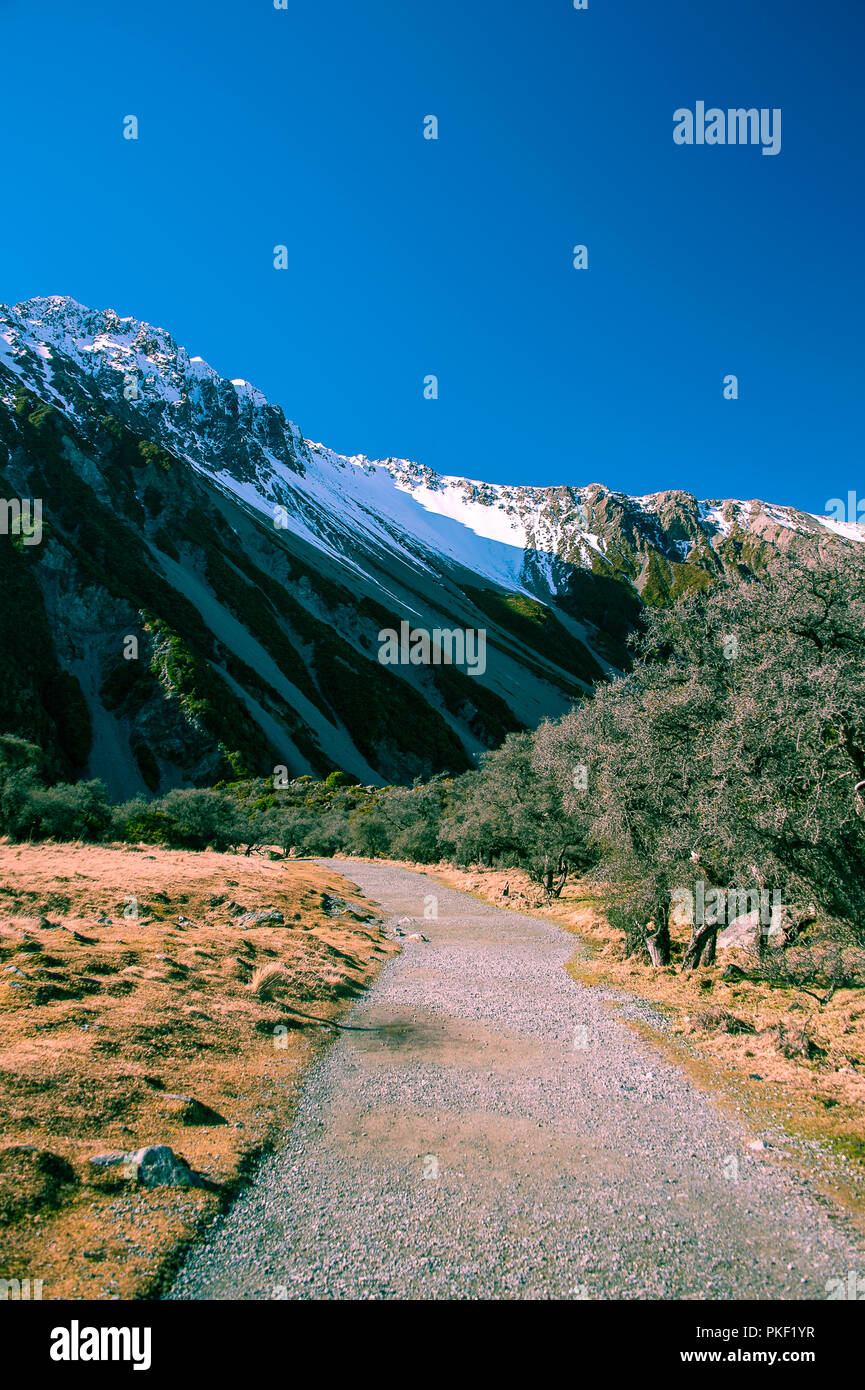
(121, 1031)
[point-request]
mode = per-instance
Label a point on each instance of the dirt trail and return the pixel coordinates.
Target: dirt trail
(502, 1134)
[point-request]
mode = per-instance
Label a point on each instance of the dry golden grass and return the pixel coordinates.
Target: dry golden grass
(108, 1026)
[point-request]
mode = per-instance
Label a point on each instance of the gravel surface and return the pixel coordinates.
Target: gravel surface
(501, 1133)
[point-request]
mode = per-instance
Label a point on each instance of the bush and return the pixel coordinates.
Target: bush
(269, 981)
(369, 834)
(68, 811)
(418, 842)
(340, 779)
(139, 822)
(203, 819)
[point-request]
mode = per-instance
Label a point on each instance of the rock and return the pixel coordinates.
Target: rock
(159, 1166)
(417, 936)
(261, 919)
(154, 1166)
(110, 1160)
(334, 907)
(743, 933)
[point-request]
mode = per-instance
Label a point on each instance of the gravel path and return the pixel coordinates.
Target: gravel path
(502, 1134)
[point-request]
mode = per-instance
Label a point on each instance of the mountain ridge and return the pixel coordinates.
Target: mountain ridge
(292, 558)
(142, 346)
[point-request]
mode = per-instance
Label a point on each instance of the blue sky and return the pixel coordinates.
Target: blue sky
(303, 127)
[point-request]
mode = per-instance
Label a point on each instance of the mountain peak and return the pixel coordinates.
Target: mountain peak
(63, 349)
(228, 429)
(259, 571)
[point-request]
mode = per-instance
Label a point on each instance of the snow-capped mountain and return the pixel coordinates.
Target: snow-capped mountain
(256, 569)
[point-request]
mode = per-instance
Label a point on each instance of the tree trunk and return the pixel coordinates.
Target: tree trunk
(709, 952)
(701, 947)
(562, 871)
(548, 877)
(762, 927)
(658, 941)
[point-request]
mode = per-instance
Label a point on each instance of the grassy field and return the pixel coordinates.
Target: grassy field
(138, 1007)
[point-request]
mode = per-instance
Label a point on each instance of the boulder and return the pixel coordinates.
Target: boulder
(156, 1165)
(268, 918)
(159, 1166)
(743, 933)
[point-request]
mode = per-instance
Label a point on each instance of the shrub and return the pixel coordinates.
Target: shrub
(369, 834)
(139, 822)
(67, 811)
(203, 819)
(418, 841)
(338, 778)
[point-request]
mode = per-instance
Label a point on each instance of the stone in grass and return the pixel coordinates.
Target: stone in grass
(154, 1166)
(268, 917)
(159, 1166)
(743, 933)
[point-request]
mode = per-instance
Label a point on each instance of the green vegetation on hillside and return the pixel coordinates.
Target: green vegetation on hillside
(536, 625)
(729, 755)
